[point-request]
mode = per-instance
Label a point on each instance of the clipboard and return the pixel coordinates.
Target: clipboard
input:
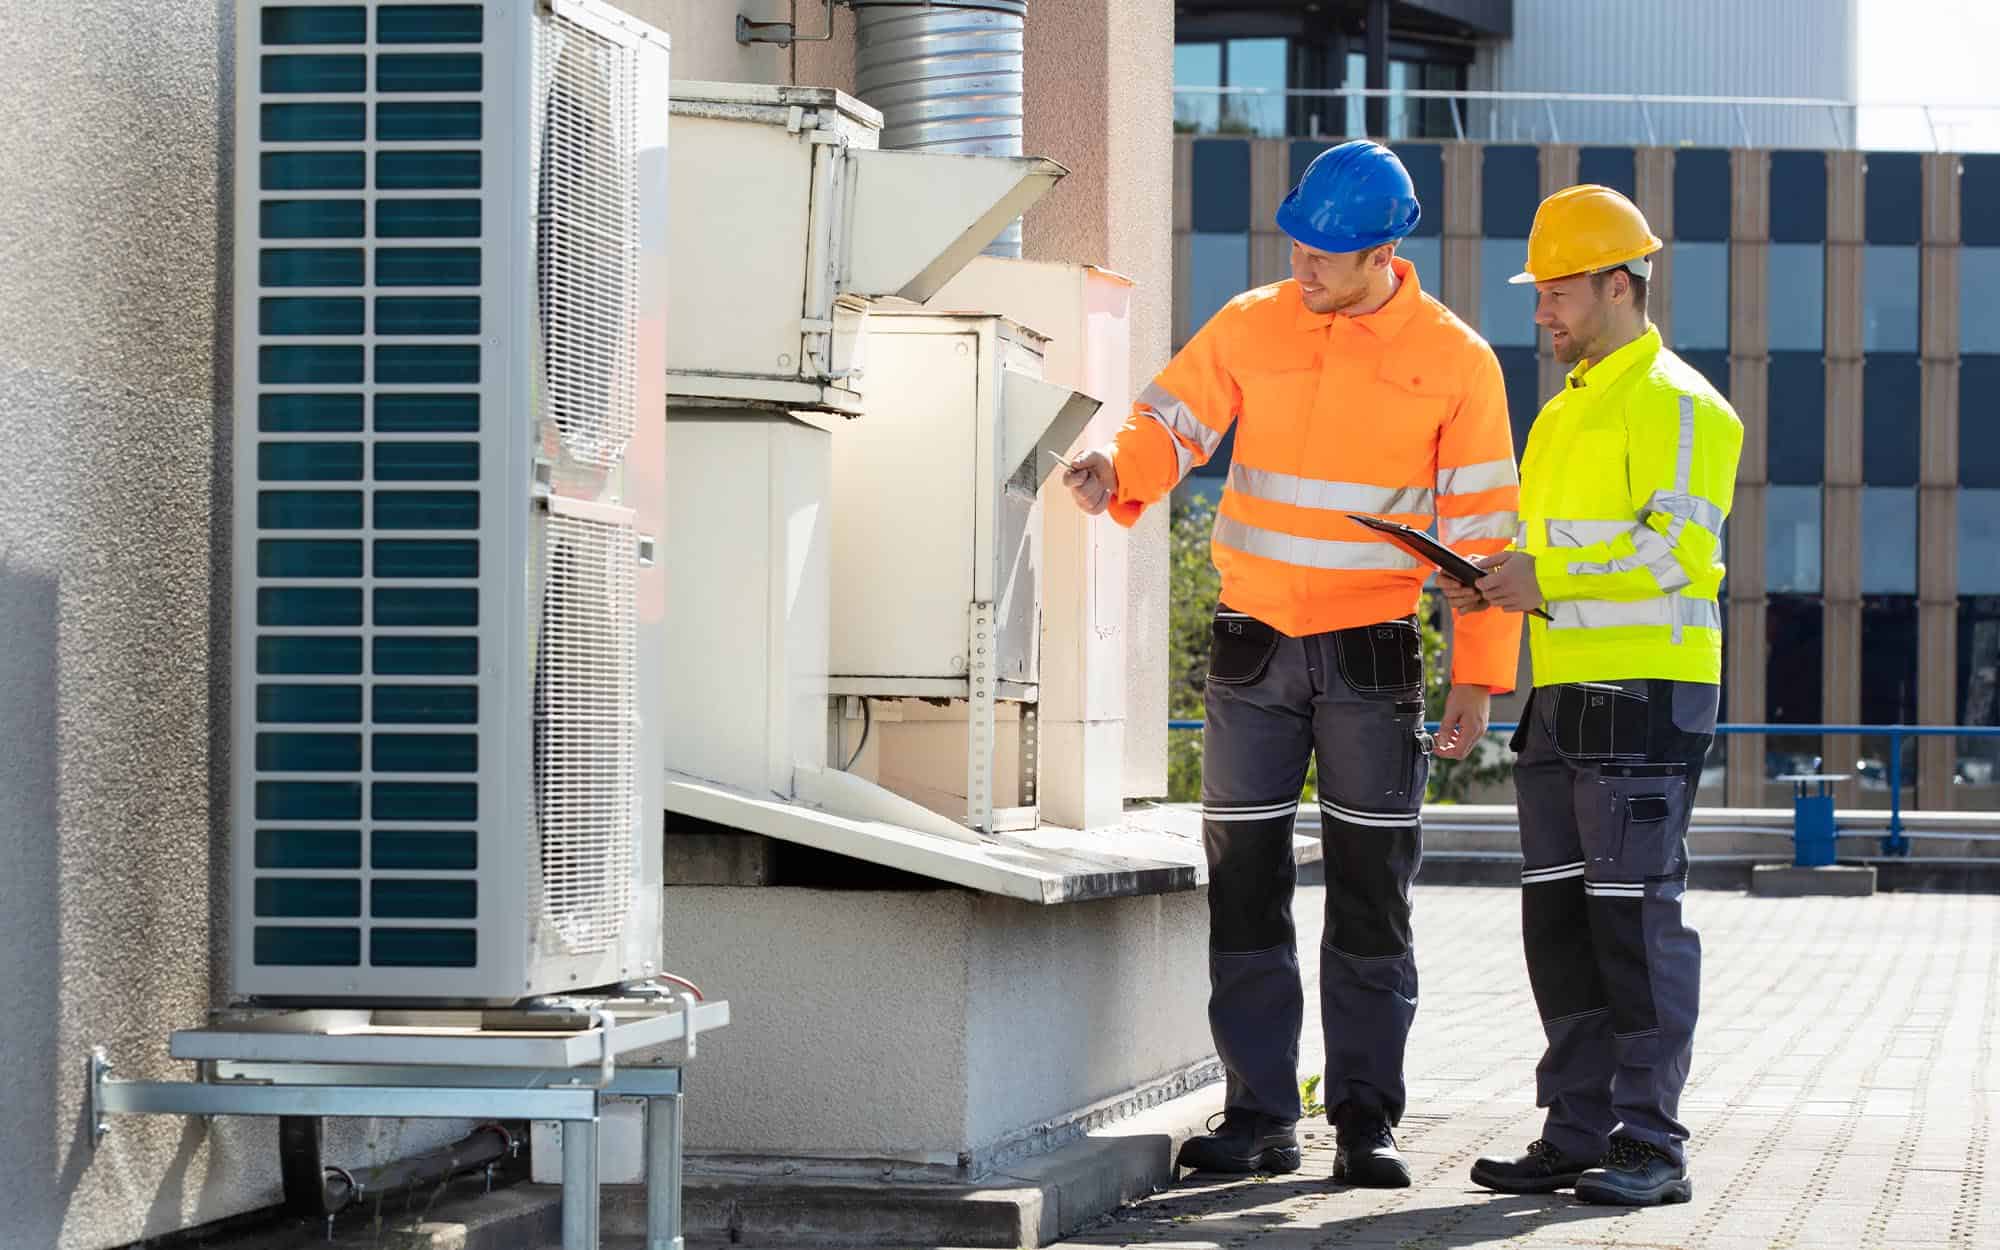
(1431, 551)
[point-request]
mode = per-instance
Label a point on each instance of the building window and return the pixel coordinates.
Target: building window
(1407, 118)
(1428, 256)
(1258, 63)
(1976, 776)
(1250, 63)
(1792, 540)
(1520, 374)
(1506, 310)
(1197, 65)
(1798, 297)
(1701, 296)
(1888, 683)
(1793, 683)
(1978, 317)
(1889, 298)
(1219, 271)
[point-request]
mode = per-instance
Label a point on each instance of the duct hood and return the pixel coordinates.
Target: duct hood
(920, 218)
(1041, 417)
(788, 221)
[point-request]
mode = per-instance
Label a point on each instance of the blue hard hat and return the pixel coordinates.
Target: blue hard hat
(1353, 197)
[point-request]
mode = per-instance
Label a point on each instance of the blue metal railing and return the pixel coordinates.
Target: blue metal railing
(1894, 843)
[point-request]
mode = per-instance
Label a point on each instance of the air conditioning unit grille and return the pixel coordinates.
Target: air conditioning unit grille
(587, 237)
(586, 730)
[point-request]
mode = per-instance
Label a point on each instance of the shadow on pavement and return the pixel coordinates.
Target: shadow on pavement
(1212, 1209)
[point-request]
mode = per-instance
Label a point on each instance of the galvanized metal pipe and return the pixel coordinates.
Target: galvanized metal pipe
(663, 1173)
(946, 75)
(579, 1185)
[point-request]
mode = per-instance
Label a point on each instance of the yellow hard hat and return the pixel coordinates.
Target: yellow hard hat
(1588, 229)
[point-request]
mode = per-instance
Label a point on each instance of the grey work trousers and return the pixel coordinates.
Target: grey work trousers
(1605, 782)
(1354, 700)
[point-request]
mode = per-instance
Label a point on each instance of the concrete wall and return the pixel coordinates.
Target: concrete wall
(1099, 81)
(929, 1026)
(704, 35)
(1074, 1005)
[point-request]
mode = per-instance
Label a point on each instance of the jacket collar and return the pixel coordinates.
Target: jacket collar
(1604, 372)
(1385, 322)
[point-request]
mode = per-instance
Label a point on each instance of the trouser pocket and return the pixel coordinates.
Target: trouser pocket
(1634, 821)
(1240, 649)
(1601, 722)
(1382, 661)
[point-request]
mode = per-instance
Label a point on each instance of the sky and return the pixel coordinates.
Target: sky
(1929, 52)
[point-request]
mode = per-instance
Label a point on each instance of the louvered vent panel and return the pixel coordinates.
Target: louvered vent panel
(586, 729)
(587, 240)
(372, 155)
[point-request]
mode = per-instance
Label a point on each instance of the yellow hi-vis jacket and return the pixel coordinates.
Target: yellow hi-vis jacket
(1627, 478)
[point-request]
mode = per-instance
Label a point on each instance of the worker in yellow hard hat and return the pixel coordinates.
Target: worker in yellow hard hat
(1627, 478)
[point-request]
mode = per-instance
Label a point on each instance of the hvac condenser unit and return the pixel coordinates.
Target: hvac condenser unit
(449, 307)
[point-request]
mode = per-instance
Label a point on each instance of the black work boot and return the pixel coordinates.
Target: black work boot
(1366, 1153)
(1635, 1174)
(1542, 1170)
(1246, 1142)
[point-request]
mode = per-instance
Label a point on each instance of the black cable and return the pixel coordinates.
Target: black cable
(867, 723)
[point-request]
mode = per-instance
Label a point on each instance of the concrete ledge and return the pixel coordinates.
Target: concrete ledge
(1032, 1205)
(1791, 881)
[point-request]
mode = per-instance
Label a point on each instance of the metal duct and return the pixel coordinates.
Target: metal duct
(946, 75)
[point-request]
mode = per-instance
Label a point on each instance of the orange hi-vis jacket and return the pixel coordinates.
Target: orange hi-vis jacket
(1400, 413)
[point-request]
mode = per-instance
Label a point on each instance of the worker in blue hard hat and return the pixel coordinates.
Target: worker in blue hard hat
(1353, 393)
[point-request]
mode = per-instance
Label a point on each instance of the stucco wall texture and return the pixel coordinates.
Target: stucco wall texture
(114, 611)
(923, 1025)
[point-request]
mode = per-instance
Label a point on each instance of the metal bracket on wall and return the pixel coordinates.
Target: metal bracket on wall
(784, 34)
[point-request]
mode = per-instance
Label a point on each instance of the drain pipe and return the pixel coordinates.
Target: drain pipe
(946, 75)
(481, 1149)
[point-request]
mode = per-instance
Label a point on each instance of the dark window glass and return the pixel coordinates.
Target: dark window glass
(1796, 401)
(1892, 420)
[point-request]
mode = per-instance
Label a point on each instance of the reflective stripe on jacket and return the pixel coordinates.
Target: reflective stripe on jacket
(1400, 414)
(1626, 481)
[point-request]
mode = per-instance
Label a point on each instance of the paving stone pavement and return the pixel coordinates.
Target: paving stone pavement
(1845, 1092)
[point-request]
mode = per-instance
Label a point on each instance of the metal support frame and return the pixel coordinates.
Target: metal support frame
(468, 1086)
(1031, 754)
(981, 744)
(984, 690)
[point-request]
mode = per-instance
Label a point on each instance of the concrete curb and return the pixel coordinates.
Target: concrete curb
(1032, 1204)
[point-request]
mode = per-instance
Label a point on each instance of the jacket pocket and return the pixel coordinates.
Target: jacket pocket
(1601, 722)
(1381, 661)
(1239, 649)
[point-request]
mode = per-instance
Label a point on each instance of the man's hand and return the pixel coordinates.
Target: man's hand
(1093, 481)
(1466, 712)
(1462, 598)
(1511, 583)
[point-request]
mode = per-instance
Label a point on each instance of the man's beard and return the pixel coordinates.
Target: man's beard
(1576, 346)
